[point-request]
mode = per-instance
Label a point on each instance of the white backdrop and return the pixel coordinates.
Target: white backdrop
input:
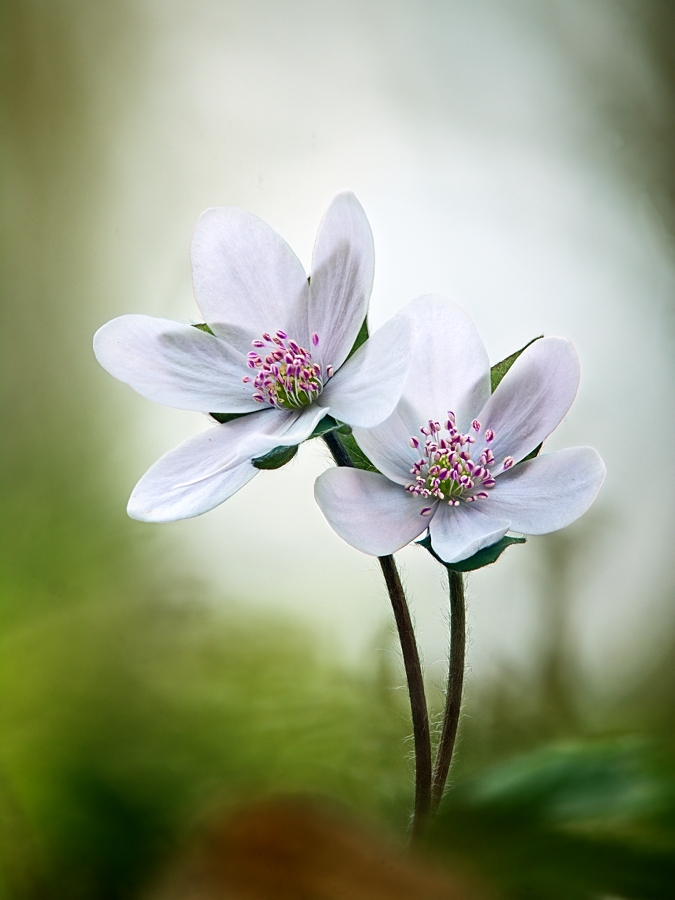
(474, 132)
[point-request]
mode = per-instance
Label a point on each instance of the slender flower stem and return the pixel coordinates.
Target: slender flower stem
(418, 704)
(338, 450)
(413, 669)
(453, 699)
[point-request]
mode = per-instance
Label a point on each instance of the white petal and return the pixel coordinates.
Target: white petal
(246, 278)
(548, 492)
(450, 369)
(297, 428)
(343, 264)
(387, 445)
(201, 472)
(457, 532)
(368, 511)
(367, 388)
(531, 399)
(176, 365)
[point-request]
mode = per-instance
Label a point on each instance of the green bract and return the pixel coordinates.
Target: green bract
(484, 557)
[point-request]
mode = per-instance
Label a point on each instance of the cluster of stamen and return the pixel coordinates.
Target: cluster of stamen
(287, 377)
(446, 470)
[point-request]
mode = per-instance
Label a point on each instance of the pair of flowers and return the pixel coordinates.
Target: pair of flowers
(277, 356)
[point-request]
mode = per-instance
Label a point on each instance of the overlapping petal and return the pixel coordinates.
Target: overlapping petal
(531, 399)
(457, 532)
(343, 265)
(387, 445)
(368, 511)
(246, 278)
(297, 428)
(449, 368)
(176, 365)
(204, 470)
(549, 492)
(367, 387)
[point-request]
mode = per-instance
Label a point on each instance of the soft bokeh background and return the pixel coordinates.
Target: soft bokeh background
(515, 156)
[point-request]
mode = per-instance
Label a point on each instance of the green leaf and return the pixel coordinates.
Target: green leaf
(484, 557)
(202, 326)
(361, 338)
(499, 370)
(276, 458)
(222, 418)
(534, 453)
(358, 457)
(326, 425)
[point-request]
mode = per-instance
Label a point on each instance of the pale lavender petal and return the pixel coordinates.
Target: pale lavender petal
(173, 364)
(457, 532)
(549, 492)
(203, 471)
(450, 369)
(387, 446)
(343, 264)
(297, 428)
(531, 399)
(366, 389)
(368, 511)
(246, 278)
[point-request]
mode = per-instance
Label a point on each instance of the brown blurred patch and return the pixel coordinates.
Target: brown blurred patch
(293, 848)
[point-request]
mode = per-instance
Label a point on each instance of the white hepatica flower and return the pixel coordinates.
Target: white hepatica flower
(451, 454)
(279, 350)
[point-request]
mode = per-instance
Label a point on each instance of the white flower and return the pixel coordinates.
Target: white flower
(451, 454)
(278, 350)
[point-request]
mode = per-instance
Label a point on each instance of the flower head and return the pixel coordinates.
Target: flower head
(453, 456)
(276, 353)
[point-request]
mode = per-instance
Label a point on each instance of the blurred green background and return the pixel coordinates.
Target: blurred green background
(517, 156)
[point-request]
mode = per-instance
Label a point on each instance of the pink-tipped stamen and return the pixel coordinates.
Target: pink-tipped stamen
(288, 377)
(446, 470)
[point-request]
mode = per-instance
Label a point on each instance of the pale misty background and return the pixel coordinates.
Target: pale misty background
(484, 140)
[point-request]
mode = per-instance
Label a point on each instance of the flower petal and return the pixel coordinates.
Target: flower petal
(368, 511)
(531, 399)
(343, 265)
(548, 492)
(203, 471)
(457, 532)
(173, 364)
(297, 429)
(246, 278)
(366, 389)
(387, 445)
(450, 369)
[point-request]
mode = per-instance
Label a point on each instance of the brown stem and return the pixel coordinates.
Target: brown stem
(413, 669)
(453, 699)
(418, 704)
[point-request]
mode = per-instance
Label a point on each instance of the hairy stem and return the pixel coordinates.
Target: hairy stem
(418, 704)
(413, 669)
(453, 699)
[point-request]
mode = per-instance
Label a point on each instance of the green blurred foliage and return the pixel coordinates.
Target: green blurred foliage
(126, 721)
(575, 820)
(560, 791)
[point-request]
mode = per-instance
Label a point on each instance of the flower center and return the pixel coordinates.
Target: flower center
(446, 470)
(287, 377)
